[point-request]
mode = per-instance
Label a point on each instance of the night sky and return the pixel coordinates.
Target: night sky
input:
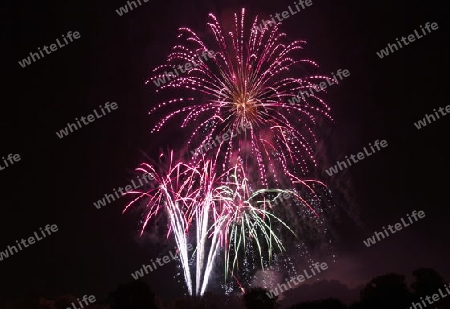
(57, 180)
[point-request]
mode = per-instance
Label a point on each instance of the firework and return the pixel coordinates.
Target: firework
(225, 200)
(219, 212)
(247, 83)
(174, 195)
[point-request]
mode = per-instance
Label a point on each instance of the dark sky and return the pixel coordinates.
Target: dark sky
(57, 181)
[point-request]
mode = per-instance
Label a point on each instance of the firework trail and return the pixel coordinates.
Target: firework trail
(185, 194)
(246, 82)
(175, 195)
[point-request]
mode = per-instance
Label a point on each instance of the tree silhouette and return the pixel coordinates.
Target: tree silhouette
(207, 301)
(134, 295)
(387, 291)
(330, 303)
(257, 298)
(65, 301)
(427, 281)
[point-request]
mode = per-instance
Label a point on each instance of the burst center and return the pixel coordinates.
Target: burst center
(245, 106)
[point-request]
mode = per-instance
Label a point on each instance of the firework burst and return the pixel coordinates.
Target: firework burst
(246, 82)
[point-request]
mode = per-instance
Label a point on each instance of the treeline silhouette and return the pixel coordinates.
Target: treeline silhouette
(382, 292)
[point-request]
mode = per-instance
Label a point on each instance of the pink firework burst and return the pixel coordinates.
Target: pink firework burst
(248, 81)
